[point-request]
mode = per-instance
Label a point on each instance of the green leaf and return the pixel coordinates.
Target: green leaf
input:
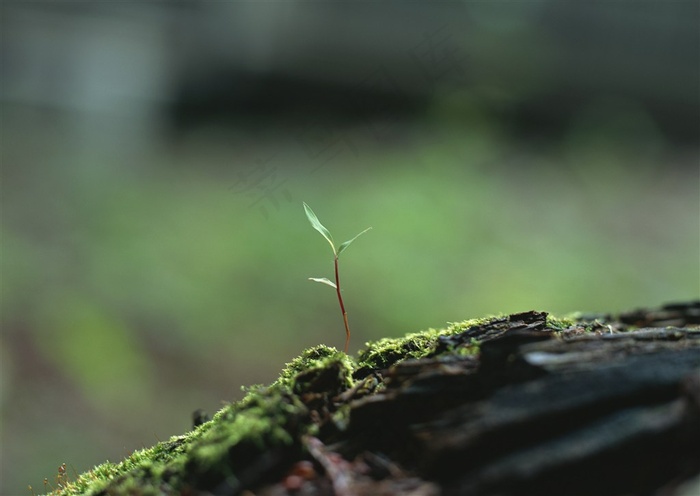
(318, 226)
(347, 243)
(323, 280)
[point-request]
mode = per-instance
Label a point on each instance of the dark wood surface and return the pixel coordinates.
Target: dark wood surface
(596, 408)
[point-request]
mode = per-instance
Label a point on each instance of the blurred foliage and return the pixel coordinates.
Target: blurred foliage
(140, 285)
(147, 273)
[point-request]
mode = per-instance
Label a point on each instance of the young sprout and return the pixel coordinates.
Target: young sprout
(336, 253)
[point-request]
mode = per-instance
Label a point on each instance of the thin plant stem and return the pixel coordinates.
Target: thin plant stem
(342, 306)
(316, 224)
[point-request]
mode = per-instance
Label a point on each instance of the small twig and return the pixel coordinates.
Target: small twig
(337, 468)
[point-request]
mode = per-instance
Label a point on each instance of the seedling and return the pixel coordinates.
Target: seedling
(336, 253)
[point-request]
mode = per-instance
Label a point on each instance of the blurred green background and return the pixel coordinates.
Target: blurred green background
(155, 252)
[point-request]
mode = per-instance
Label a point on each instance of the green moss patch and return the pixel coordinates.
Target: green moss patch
(264, 430)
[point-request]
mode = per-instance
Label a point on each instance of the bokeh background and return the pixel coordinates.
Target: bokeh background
(155, 155)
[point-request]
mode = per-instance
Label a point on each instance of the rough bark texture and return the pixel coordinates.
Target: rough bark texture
(594, 409)
(519, 405)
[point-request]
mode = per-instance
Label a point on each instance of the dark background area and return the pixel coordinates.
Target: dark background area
(155, 156)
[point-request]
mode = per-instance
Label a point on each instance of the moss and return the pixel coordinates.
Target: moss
(471, 349)
(267, 418)
(138, 465)
(268, 423)
(389, 351)
(319, 357)
(457, 327)
(561, 323)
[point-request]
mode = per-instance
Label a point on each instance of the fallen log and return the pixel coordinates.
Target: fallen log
(518, 405)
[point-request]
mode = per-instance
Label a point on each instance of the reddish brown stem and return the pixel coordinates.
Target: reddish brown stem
(342, 307)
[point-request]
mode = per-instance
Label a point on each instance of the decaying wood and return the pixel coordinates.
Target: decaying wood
(594, 409)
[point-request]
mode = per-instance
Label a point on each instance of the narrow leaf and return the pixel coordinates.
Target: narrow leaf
(318, 226)
(347, 243)
(323, 280)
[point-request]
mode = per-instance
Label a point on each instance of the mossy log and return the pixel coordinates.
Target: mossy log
(522, 404)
